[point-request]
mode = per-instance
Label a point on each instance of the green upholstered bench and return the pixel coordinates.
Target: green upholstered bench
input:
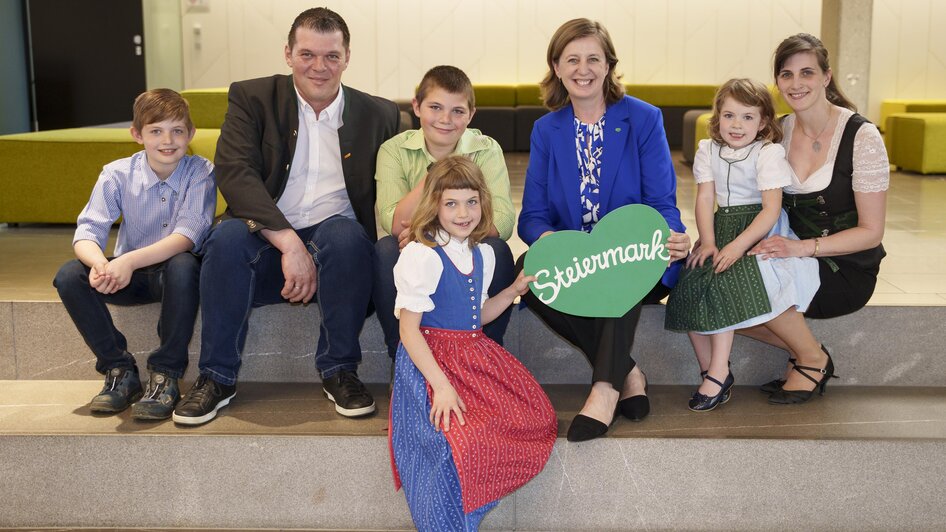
(674, 102)
(208, 106)
(496, 113)
(917, 141)
(529, 108)
(903, 105)
(47, 176)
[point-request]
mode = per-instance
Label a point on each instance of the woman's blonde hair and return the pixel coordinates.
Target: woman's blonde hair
(753, 94)
(554, 95)
(459, 173)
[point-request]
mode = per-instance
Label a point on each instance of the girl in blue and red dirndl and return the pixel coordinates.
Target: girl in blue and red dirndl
(469, 423)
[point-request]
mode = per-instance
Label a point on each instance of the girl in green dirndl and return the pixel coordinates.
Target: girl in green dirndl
(741, 171)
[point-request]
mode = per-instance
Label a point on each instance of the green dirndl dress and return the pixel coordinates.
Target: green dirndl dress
(702, 300)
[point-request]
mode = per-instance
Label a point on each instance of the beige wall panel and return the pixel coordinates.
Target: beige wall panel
(914, 48)
(206, 44)
(538, 20)
(908, 51)
(644, 44)
(162, 27)
(498, 41)
(936, 52)
(884, 52)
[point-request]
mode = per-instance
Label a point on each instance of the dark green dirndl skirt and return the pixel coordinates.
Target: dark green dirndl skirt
(704, 301)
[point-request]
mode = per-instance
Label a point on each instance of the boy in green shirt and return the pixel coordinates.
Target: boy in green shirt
(445, 105)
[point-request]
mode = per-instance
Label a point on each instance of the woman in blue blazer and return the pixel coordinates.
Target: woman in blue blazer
(597, 151)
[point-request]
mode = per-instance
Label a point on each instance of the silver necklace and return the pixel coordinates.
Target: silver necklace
(816, 144)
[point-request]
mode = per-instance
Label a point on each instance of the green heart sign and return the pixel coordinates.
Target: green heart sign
(604, 273)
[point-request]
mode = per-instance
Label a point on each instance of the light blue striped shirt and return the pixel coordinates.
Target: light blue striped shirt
(151, 209)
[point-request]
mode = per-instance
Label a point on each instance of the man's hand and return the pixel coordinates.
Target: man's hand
(299, 270)
(298, 266)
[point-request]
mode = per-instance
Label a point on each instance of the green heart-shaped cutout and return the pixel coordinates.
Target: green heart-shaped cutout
(604, 273)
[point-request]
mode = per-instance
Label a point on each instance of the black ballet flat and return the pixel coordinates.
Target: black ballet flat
(584, 428)
(636, 407)
(793, 397)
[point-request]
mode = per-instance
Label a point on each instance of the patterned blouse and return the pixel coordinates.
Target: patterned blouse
(589, 144)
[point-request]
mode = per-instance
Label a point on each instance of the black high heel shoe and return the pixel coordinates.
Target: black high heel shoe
(775, 385)
(635, 407)
(792, 397)
(584, 428)
(705, 403)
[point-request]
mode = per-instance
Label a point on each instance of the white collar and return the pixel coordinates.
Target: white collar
(332, 115)
(448, 242)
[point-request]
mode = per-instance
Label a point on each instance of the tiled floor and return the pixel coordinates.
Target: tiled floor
(914, 272)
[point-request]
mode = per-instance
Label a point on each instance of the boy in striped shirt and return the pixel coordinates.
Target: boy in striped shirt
(166, 199)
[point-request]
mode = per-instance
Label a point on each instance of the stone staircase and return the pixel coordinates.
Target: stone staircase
(871, 455)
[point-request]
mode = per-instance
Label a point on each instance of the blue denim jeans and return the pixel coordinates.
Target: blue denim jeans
(242, 270)
(386, 255)
(173, 282)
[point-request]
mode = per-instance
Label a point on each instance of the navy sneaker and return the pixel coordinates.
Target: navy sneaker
(350, 396)
(160, 398)
(122, 388)
(202, 402)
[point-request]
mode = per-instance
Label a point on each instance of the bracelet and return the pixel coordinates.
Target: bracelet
(817, 245)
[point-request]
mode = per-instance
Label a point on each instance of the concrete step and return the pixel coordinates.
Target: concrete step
(877, 346)
(860, 458)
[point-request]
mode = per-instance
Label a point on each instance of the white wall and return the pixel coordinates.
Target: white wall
(162, 25)
(496, 41)
(908, 51)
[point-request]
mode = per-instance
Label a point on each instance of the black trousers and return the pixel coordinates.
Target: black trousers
(605, 342)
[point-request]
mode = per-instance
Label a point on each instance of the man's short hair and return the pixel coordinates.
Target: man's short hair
(448, 78)
(322, 20)
(158, 105)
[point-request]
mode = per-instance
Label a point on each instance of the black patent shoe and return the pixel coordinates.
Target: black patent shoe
(727, 395)
(584, 428)
(775, 385)
(792, 397)
(705, 403)
(635, 407)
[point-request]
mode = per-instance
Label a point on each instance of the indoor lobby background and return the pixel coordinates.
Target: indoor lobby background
(870, 455)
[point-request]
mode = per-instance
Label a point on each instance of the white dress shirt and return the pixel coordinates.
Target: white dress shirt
(316, 189)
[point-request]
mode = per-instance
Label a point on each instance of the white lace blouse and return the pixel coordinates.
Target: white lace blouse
(417, 272)
(871, 167)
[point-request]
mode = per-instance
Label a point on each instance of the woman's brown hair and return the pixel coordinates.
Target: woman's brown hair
(459, 173)
(753, 94)
(554, 95)
(806, 43)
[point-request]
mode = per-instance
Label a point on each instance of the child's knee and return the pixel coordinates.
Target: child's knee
(183, 269)
(386, 252)
(72, 274)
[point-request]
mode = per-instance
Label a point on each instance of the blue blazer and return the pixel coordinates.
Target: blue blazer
(636, 169)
